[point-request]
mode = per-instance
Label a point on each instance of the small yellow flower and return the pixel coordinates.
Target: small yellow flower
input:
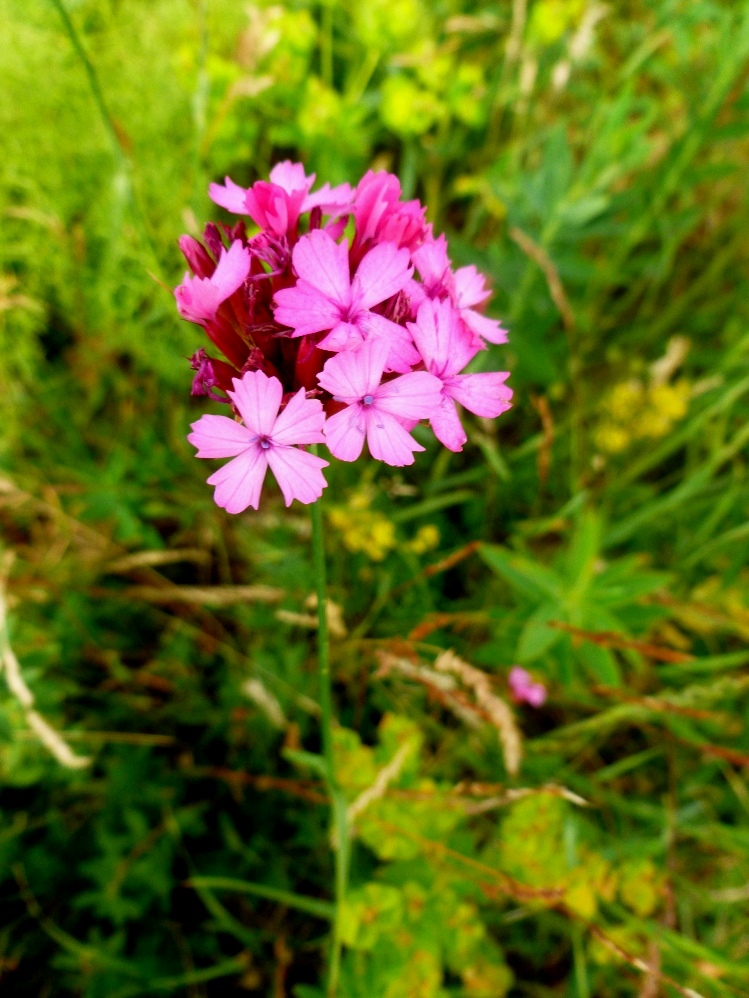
(427, 539)
(362, 528)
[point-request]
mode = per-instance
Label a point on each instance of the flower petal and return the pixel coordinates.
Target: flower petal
(469, 287)
(390, 442)
(484, 394)
(488, 329)
(257, 397)
(232, 270)
(447, 426)
(305, 309)
(331, 200)
(291, 177)
(322, 262)
(345, 432)
(343, 336)
(239, 483)
(442, 340)
(433, 264)
(383, 272)
(232, 196)
(412, 396)
(351, 375)
(301, 422)
(402, 355)
(219, 436)
(298, 473)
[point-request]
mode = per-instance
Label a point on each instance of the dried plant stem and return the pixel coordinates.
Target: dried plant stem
(338, 803)
(46, 734)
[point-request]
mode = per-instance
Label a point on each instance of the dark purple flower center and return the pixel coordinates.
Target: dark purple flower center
(264, 443)
(367, 400)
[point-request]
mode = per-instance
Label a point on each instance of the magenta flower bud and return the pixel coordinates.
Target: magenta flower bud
(198, 259)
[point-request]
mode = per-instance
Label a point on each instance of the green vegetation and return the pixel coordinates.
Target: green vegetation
(592, 160)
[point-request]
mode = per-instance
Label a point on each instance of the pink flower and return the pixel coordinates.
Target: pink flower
(446, 347)
(325, 297)
(465, 288)
(276, 206)
(375, 410)
(267, 438)
(523, 688)
(198, 298)
(331, 200)
(381, 216)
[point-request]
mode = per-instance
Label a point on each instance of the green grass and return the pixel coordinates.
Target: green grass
(605, 196)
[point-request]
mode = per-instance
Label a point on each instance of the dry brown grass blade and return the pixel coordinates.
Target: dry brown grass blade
(442, 683)
(610, 639)
(214, 596)
(51, 739)
(541, 404)
(498, 711)
(556, 289)
(152, 559)
(436, 621)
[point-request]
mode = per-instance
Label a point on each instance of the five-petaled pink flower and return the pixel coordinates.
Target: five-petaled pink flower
(465, 288)
(524, 689)
(447, 346)
(198, 298)
(375, 410)
(266, 439)
(326, 298)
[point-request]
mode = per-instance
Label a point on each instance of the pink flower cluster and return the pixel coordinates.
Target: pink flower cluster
(326, 342)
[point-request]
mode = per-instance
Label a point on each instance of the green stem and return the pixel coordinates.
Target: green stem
(339, 822)
(323, 642)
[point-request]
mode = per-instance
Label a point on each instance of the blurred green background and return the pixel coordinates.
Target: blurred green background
(592, 159)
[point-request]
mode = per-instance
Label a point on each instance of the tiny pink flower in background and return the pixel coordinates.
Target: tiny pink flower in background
(266, 439)
(326, 298)
(524, 689)
(446, 347)
(198, 298)
(375, 410)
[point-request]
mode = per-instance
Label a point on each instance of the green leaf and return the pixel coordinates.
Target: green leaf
(536, 636)
(600, 664)
(313, 906)
(307, 760)
(533, 580)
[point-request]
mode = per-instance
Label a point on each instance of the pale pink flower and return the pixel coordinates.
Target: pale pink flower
(465, 288)
(523, 689)
(276, 206)
(375, 410)
(446, 347)
(330, 200)
(267, 438)
(198, 298)
(326, 298)
(381, 216)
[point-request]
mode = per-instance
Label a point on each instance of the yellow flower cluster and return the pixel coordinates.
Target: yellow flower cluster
(634, 411)
(363, 528)
(426, 539)
(369, 531)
